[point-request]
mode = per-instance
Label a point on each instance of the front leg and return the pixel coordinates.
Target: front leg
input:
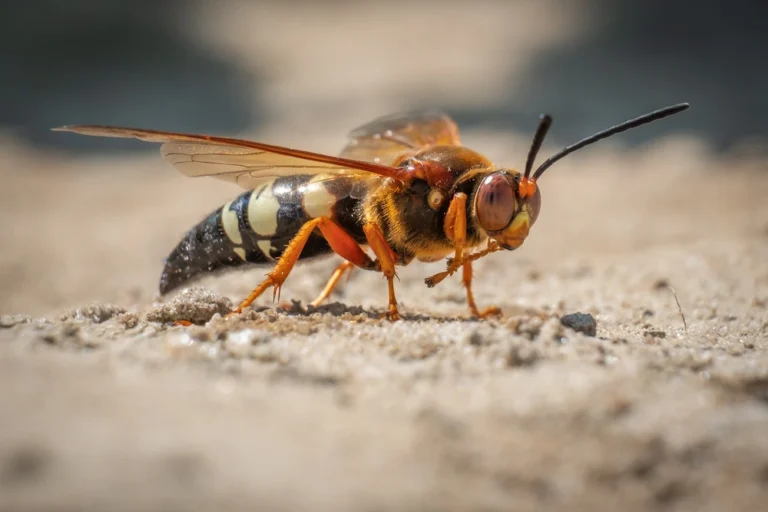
(467, 281)
(455, 227)
(493, 246)
(456, 231)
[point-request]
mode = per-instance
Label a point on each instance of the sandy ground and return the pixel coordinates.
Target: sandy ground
(107, 406)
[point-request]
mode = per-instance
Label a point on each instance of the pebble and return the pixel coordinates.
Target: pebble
(580, 322)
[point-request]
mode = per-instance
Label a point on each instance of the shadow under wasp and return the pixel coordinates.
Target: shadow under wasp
(404, 186)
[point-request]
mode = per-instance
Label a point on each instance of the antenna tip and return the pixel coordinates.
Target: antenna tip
(680, 107)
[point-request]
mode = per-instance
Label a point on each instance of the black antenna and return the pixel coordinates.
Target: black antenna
(628, 125)
(545, 121)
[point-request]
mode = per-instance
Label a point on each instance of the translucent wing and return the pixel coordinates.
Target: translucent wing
(243, 162)
(387, 140)
(243, 166)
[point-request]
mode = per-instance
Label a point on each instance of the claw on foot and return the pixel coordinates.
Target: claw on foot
(276, 292)
(435, 279)
(391, 315)
(234, 312)
(489, 311)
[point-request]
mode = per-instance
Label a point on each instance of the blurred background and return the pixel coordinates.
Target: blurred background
(87, 218)
(407, 416)
(230, 66)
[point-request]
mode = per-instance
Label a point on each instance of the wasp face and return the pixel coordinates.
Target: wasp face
(506, 206)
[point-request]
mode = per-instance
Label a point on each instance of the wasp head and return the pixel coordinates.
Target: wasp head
(507, 203)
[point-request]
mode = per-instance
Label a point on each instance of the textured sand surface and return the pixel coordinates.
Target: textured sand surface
(106, 406)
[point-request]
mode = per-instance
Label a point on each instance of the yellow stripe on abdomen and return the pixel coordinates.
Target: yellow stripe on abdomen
(231, 224)
(262, 211)
(316, 199)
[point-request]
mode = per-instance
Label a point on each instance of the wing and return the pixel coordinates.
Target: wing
(387, 140)
(243, 162)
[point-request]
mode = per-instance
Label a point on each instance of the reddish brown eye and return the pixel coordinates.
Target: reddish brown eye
(534, 205)
(495, 202)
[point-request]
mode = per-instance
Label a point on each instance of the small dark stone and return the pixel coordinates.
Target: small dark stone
(580, 322)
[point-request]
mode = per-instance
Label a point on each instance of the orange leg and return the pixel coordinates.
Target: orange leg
(493, 246)
(332, 282)
(467, 281)
(386, 259)
(456, 230)
(340, 241)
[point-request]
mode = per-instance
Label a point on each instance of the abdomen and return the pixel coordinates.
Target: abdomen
(256, 227)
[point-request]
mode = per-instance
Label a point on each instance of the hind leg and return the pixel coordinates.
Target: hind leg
(333, 282)
(340, 241)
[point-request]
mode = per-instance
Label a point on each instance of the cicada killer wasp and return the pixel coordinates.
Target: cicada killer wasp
(404, 187)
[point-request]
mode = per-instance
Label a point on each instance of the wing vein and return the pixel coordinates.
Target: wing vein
(374, 152)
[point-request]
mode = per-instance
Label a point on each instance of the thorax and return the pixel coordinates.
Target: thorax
(413, 228)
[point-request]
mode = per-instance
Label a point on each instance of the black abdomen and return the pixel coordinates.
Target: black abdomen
(256, 227)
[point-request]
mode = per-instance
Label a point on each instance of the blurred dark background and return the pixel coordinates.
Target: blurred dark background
(142, 63)
(121, 62)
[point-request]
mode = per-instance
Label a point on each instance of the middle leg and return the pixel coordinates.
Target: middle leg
(386, 258)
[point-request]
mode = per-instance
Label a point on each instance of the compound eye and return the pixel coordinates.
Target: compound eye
(495, 202)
